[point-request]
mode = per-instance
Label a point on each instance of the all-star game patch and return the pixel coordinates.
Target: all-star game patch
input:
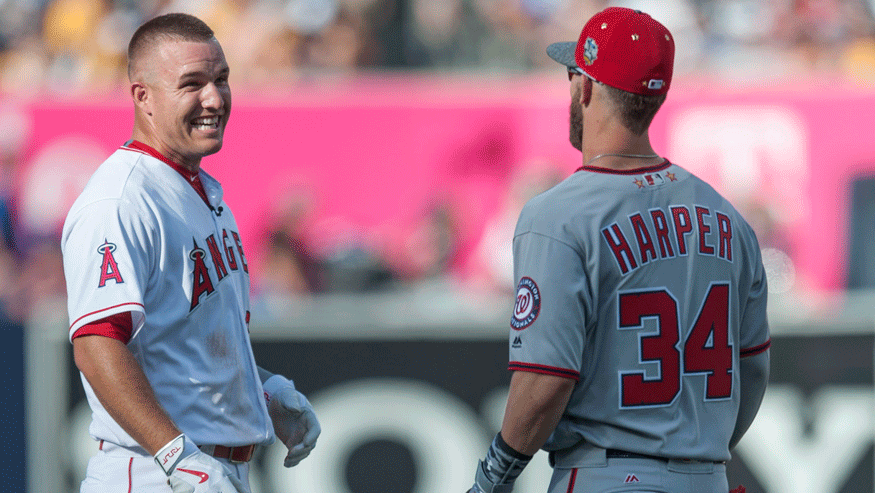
(528, 304)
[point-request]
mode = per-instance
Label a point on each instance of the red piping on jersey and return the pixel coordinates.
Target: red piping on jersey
(103, 310)
(753, 351)
(636, 171)
(572, 480)
(543, 369)
(130, 475)
(191, 177)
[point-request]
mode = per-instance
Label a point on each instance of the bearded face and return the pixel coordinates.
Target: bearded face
(575, 124)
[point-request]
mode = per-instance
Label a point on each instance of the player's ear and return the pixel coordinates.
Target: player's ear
(140, 95)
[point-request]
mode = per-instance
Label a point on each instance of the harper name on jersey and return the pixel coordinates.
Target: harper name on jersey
(661, 238)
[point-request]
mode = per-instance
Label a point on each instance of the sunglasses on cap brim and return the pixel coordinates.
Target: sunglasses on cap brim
(572, 71)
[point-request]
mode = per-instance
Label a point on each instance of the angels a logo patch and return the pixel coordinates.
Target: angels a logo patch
(109, 267)
(528, 304)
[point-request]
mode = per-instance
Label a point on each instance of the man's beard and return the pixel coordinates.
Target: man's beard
(575, 124)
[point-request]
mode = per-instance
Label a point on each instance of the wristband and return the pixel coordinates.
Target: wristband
(275, 384)
(175, 450)
(501, 467)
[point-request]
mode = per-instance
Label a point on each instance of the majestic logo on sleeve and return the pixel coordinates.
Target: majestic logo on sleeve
(109, 267)
(528, 304)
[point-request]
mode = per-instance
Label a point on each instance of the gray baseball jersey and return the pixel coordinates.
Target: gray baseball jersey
(646, 286)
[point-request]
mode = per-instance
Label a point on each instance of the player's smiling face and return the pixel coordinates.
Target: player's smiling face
(191, 100)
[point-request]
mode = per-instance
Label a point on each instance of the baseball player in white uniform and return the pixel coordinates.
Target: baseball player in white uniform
(639, 343)
(158, 291)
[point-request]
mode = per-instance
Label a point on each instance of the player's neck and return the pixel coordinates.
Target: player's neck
(152, 141)
(618, 149)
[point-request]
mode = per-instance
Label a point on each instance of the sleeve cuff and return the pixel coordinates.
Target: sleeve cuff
(543, 369)
(138, 317)
(753, 351)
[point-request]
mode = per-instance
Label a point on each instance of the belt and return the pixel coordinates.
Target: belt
(239, 454)
(622, 454)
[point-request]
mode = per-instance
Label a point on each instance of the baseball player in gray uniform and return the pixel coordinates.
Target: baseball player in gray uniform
(639, 343)
(158, 291)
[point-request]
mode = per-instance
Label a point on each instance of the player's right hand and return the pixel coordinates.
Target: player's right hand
(200, 473)
(191, 471)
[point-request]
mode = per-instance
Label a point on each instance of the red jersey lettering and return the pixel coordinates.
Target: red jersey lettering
(683, 225)
(645, 244)
(201, 277)
(218, 258)
(620, 247)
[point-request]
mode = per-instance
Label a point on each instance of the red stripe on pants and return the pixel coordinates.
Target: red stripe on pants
(572, 480)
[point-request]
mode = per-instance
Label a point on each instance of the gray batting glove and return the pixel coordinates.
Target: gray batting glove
(191, 471)
(294, 420)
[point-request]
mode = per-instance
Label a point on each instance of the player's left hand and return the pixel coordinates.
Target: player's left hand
(295, 423)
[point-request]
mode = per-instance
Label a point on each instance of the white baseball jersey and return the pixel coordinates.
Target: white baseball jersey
(646, 286)
(140, 239)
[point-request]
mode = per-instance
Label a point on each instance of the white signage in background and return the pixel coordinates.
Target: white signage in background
(786, 459)
(442, 433)
(446, 438)
(750, 153)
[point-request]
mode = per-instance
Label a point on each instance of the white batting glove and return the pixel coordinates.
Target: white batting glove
(294, 420)
(191, 471)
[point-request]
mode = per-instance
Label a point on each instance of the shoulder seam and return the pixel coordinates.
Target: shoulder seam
(550, 238)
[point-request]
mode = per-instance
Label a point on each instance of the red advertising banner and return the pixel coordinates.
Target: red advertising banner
(368, 163)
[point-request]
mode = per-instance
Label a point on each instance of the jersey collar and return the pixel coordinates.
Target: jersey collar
(191, 177)
(634, 171)
(137, 145)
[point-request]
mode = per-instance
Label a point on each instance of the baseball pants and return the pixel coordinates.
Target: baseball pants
(116, 469)
(589, 470)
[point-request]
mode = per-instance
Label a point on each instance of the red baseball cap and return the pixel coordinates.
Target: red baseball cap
(623, 48)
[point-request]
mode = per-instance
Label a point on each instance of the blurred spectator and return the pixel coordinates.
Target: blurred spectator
(14, 134)
(71, 46)
(289, 268)
(494, 255)
(290, 265)
(428, 254)
(354, 262)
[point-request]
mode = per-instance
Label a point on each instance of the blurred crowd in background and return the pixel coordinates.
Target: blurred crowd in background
(70, 48)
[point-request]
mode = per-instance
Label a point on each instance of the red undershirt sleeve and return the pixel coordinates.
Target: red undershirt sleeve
(118, 326)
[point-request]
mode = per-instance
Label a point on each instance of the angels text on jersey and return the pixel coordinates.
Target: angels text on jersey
(226, 258)
(662, 233)
(202, 283)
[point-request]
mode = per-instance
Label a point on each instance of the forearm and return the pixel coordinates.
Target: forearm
(535, 404)
(121, 386)
(754, 375)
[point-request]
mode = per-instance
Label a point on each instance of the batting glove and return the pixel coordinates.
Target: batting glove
(191, 471)
(294, 419)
